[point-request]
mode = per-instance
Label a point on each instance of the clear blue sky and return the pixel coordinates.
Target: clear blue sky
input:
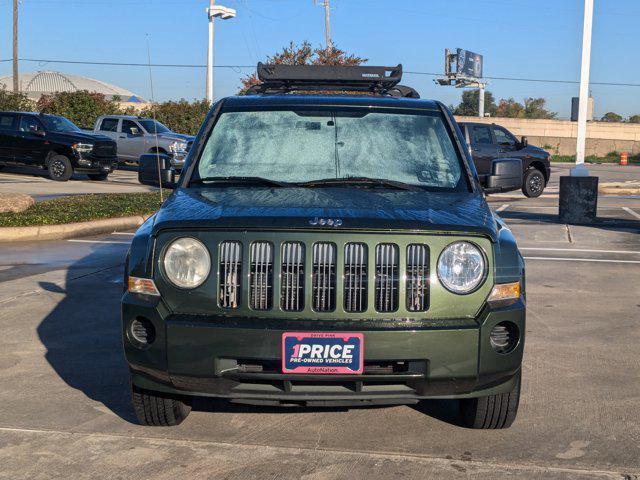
(518, 38)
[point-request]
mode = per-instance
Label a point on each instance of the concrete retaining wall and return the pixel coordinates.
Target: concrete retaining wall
(559, 136)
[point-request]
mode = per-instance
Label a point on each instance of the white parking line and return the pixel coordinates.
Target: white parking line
(631, 212)
(558, 259)
(578, 250)
(123, 233)
(503, 207)
(98, 241)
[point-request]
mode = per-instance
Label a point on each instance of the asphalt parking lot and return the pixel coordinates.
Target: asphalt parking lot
(65, 402)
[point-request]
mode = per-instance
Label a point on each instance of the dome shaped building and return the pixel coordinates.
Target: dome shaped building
(34, 85)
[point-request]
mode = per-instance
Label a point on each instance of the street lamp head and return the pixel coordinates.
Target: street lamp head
(224, 13)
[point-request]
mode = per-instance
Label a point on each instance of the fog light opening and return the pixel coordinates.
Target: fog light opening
(142, 331)
(504, 337)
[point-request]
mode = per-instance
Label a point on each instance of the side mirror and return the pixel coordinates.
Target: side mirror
(524, 142)
(148, 170)
(39, 133)
(506, 176)
(134, 131)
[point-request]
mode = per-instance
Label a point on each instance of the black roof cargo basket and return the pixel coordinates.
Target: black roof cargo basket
(334, 78)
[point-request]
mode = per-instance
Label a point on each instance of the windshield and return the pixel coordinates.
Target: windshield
(58, 124)
(303, 146)
(152, 126)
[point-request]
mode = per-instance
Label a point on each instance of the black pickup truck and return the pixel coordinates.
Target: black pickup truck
(490, 141)
(56, 144)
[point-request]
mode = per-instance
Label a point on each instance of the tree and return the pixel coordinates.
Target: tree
(304, 54)
(634, 119)
(510, 108)
(611, 117)
(532, 108)
(535, 108)
(469, 104)
(181, 116)
(81, 107)
(14, 101)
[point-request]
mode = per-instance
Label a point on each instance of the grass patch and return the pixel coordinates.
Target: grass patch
(635, 160)
(82, 208)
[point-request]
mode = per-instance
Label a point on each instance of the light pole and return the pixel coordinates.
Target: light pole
(212, 12)
(580, 169)
(578, 202)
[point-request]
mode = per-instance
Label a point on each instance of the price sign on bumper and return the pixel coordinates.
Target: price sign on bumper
(322, 353)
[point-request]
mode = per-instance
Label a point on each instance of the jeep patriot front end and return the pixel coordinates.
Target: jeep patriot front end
(326, 250)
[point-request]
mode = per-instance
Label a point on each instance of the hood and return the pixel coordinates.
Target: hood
(295, 208)
(176, 137)
(81, 137)
(537, 150)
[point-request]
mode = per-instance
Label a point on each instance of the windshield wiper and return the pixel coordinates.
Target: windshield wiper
(361, 181)
(249, 181)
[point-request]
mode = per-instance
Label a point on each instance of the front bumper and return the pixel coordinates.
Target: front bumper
(88, 163)
(217, 356)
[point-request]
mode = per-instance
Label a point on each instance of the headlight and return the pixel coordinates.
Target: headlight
(187, 263)
(461, 267)
(178, 147)
(82, 147)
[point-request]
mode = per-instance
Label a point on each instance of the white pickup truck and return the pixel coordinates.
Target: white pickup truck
(136, 136)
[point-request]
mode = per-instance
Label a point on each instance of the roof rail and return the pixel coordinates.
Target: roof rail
(334, 78)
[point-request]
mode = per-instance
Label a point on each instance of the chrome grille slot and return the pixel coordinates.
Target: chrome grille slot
(324, 277)
(355, 277)
(292, 277)
(417, 278)
(261, 276)
(230, 274)
(386, 285)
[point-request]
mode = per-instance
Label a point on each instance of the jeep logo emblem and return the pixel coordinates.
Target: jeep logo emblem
(330, 222)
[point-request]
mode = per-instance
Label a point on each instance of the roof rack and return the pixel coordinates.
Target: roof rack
(334, 78)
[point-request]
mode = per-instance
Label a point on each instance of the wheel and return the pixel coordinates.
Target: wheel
(533, 182)
(156, 409)
(60, 168)
(492, 412)
(98, 177)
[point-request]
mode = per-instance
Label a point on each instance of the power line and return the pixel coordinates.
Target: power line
(236, 67)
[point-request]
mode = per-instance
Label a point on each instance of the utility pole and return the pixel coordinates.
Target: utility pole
(481, 100)
(327, 28)
(16, 84)
(212, 12)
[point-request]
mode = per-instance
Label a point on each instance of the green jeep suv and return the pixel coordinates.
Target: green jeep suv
(327, 249)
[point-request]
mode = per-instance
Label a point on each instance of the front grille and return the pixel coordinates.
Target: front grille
(292, 277)
(324, 277)
(355, 277)
(417, 278)
(104, 150)
(261, 279)
(387, 277)
(230, 274)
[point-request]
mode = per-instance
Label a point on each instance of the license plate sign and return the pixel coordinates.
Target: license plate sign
(322, 353)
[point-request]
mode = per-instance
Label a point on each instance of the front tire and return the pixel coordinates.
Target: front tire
(98, 177)
(533, 183)
(60, 168)
(157, 409)
(492, 412)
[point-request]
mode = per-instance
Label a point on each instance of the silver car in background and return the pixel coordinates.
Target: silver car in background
(136, 136)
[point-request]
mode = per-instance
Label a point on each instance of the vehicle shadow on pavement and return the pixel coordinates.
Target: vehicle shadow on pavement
(616, 224)
(82, 334)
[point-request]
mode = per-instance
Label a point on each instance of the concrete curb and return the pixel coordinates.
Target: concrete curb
(69, 230)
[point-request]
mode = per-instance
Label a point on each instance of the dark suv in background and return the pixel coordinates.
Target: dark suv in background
(56, 144)
(488, 142)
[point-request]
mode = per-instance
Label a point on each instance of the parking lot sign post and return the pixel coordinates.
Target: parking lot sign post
(579, 191)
